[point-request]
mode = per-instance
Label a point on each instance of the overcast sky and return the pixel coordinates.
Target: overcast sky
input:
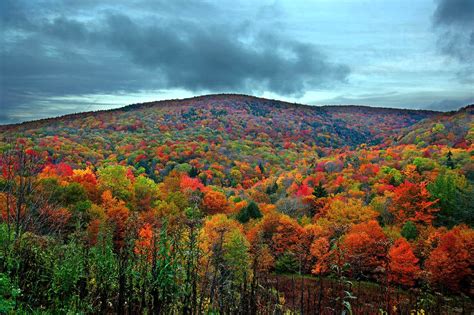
(66, 56)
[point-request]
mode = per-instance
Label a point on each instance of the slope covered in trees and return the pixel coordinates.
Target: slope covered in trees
(217, 203)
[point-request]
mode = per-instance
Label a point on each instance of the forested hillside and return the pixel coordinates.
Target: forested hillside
(236, 204)
(228, 127)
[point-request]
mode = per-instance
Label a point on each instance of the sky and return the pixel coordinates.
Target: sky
(67, 56)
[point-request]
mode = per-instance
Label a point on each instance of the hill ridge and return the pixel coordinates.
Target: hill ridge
(134, 106)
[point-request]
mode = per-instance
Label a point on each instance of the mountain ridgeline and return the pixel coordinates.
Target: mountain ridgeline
(235, 127)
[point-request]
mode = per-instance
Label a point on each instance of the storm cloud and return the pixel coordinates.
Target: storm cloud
(454, 22)
(55, 49)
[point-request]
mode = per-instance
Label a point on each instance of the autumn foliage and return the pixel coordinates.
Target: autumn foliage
(412, 202)
(451, 263)
(403, 264)
(210, 205)
(214, 202)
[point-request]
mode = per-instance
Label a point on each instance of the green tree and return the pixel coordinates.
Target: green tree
(146, 193)
(236, 257)
(287, 263)
(165, 288)
(409, 231)
(396, 176)
(455, 199)
(449, 160)
(320, 191)
(115, 179)
(193, 172)
(249, 212)
(424, 164)
(72, 194)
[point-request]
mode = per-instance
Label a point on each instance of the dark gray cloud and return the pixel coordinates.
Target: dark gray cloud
(451, 12)
(454, 21)
(63, 48)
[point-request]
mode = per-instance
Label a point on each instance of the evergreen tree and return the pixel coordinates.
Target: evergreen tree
(320, 191)
(250, 212)
(455, 199)
(409, 231)
(449, 161)
(193, 172)
(272, 189)
(286, 263)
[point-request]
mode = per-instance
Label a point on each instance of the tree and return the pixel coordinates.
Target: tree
(251, 211)
(72, 194)
(193, 172)
(319, 191)
(272, 188)
(214, 202)
(320, 250)
(449, 160)
(103, 269)
(145, 193)
(8, 294)
(409, 231)
(451, 264)
(287, 235)
(340, 215)
(237, 256)
(225, 260)
(424, 164)
(455, 199)
(88, 180)
(19, 169)
(144, 242)
(403, 265)
(69, 270)
(117, 216)
(190, 183)
(287, 263)
(412, 202)
(293, 207)
(365, 248)
(116, 179)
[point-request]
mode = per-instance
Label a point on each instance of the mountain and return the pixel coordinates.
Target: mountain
(235, 127)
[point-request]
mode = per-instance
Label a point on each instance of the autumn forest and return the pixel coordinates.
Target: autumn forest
(231, 204)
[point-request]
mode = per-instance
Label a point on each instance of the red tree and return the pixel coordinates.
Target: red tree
(451, 263)
(365, 249)
(404, 267)
(411, 202)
